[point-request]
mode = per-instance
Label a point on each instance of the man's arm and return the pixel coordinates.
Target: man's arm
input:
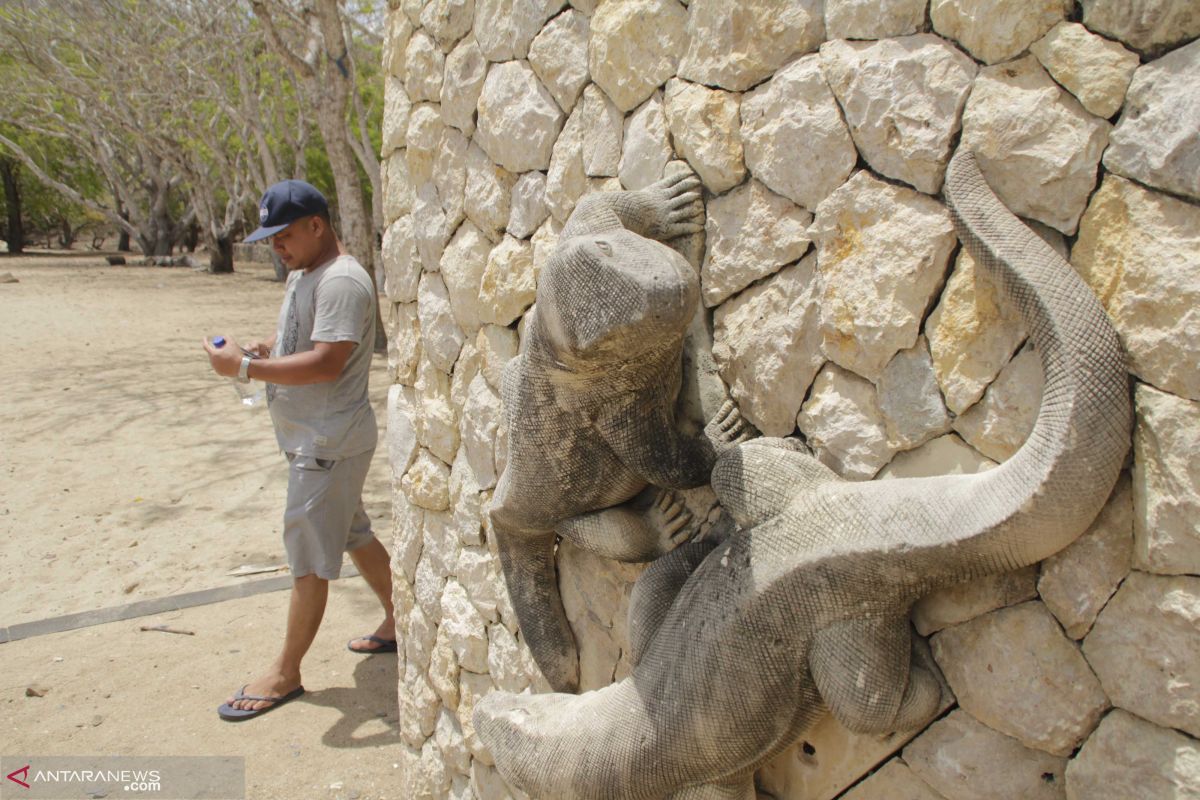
(324, 362)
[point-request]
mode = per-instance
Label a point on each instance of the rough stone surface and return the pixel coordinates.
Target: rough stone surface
(595, 594)
(766, 346)
(463, 263)
(945, 455)
(1157, 139)
(473, 688)
(447, 20)
(1151, 26)
(566, 180)
(496, 347)
(518, 118)
(528, 204)
(903, 100)
(398, 32)
(647, 145)
(1016, 672)
(505, 28)
(873, 19)
(437, 416)
(1137, 250)
(418, 707)
(843, 424)
(735, 46)
(965, 760)
(466, 504)
(441, 338)
(505, 663)
(509, 282)
(635, 47)
(559, 57)
(427, 777)
(909, 398)
(966, 601)
(1145, 648)
(999, 423)
(1128, 757)
(487, 194)
(465, 71)
(450, 175)
(480, 418)
(900, 238)
(1166, 483)
(404, 342)
(401, 433)
(464, 627)
(429, 225)
(1021, 124)
(603, 129)
(427, 482)
(449, 738)
(444, 671)
(396, 110)
(794, 137)
(1097, 71)
(893, 781)
(750, 233)
(441, 540)
(996, 30)
(402, 262)
(397, 188)
(1077, 582)
(423, 64)
(424, 139)
(704, 124)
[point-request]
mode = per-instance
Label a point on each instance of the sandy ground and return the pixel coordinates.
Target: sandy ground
(129, 471)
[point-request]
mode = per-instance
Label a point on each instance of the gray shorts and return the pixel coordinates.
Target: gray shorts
(325, 515)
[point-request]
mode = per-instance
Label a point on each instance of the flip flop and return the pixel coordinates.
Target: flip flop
(231, 714)
(385, 645)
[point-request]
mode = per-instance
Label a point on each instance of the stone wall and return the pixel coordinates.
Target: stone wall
(839, 308)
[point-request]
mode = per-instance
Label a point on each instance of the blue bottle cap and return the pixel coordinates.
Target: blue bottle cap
(218, 341)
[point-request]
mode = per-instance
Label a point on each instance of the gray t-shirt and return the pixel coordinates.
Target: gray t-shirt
(334, 419)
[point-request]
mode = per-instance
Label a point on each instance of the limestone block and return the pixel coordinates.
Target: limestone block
(966, 601)
(1137, 250)
(903, 101)
(496, 346)
(412, 10)
(401, 430)
(401, 262)
(996, 30)
(424, 63)
(566, 180)
(397, 189)
(1166, 483)
(465, 370)
(429, 225)
(487, 193)
(972, 334)
(427, 482)
(419, 635)
(1036, 145)
(466, 505)
(441, 539)
(508, 285)
(527, 202)
(794, 137)
(480, 419)
(1000, 423)
(479, 572)
(704, 125)
(437, 415)
(424, 138)
(404, 342)
(873, 19)
(1145, 649)
(559, 57)
(462, 266)
(1157, 138)
(749, 233)
(407, 524)
(1097, 71)
(965, 760)
(544, 240)
(505, 28)
(418, 707)
(766, 346)
(472, 688)
(647, 145)
(518, 118)
(1128, 758)
(1077, 582)
(635, 46)
(1016, 672)
(464, 628)
(903, 240)
(447, 21)
(397, 34)
(734, 46)
(909, 398)
(449, 738)
(427, 778)
(486, 782)
(450, 175)
(843, 424)
(396, 110)
(945, 455)
(1152, 26)
(505, 663)
(893, 781)
(465, 71)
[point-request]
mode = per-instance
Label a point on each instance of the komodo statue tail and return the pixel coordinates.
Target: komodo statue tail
(805, 608)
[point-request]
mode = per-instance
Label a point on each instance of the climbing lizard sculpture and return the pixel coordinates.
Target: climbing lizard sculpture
(739, 647)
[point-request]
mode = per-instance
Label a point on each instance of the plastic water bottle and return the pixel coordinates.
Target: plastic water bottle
(251, 393)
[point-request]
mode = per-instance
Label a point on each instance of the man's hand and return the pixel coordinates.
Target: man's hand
(261, 349)
(225, 360)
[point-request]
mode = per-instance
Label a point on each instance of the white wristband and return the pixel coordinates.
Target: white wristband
(244, 369)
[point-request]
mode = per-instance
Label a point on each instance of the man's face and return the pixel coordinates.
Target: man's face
(299, 244)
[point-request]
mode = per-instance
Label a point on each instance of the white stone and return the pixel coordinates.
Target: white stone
(418, 707)
(396, 110)
(449, 738)
(635, 46)
(441, 337)
(407, 522)
(899, 238)
(903, 100)
(479, 572)
(1000, 423)
(559, 57)
(1145, 648)
(766, 346)
(509, 282)
(527, 202)
(965, 760)
(427, 589)
(518, 118)
(480, 419)
(427, 482)
(397, 189)
(1129, 757)
(441, 538)
(1157, 138)
(428, 778)
(945, 455)
(1137, 250)
(429, 225)
(794, 137)
(971, 599)
(473, 688)
(996, 30)
(972, 334)
(505, 663)
(565, 179)
(704, 125)
(447, 20)
(465, 370)
(1077, 582)
(505, 28)
(1094, 69)
(1036, 145)
(424, 139)
(647, 145)
(401, 430)
(843, 424)
(419, 635)
(450, 175)
(465, 502)
(893, 781)
(437, 417)
(1151, 26)
(1166, 483)
(423, 64)
(466, 69)
(873, 19)
(487, 193)
(401, 262)
(398, 32)
(603, 130)
(404, 342)
(496, 346)
(734, 46)
(909, 398)
(462, 267)
(464, 627)
(749, 233)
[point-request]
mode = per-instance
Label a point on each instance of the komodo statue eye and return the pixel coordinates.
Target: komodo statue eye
(604, 246)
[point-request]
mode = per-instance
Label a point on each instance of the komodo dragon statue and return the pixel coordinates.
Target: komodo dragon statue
(588, 406)
(739, 647)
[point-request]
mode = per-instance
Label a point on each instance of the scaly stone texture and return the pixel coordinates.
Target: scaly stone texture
(969, 600)
(635, 47)
(873, 19)
(1097, 71)
(1166, 483)
(704, 124)
(1151, 26)
(518, 118)
(1128, 757)
(996, 30)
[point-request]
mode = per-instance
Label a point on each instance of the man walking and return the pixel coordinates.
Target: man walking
(316, 368)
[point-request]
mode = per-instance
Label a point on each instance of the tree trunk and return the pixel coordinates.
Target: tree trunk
(191, 237)
(220, 255)
(14, 232)
(66, 234)
(123, 235)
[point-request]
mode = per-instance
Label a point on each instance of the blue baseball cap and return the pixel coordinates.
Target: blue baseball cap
(284, 203)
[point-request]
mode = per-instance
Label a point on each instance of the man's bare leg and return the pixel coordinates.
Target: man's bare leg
(376, 568)
(305, 611)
